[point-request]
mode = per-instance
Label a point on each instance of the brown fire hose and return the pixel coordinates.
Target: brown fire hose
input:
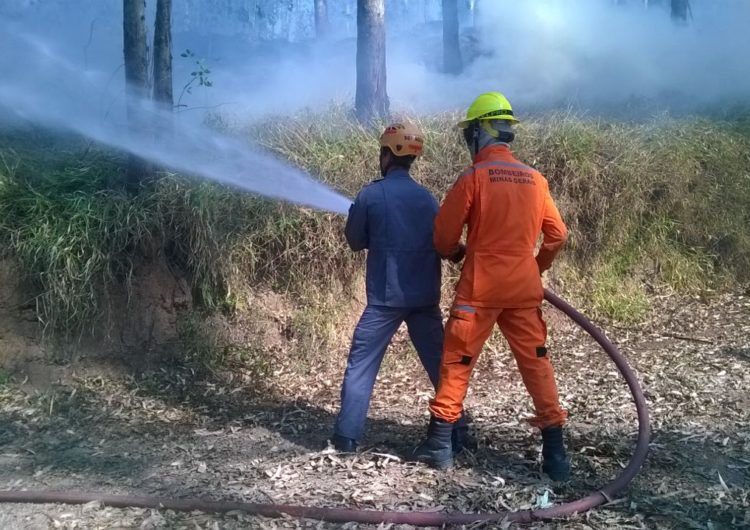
(341, 515)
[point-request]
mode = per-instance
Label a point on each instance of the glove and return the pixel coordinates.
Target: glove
(459, 254)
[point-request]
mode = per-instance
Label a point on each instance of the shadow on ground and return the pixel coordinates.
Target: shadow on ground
(74, 437)
(742, 354)
(679, 488)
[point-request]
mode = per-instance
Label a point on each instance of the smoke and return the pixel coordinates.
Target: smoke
(594, 55)
(604, 53)
(598, 56)
(61, 64)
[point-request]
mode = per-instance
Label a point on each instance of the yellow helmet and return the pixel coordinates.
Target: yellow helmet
(489, 106)
(403, 139)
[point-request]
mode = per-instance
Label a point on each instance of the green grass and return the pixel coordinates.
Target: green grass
(72, 235)
(617, 296)
(660, 204)
(76, 238)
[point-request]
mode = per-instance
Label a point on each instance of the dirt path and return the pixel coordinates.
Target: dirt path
(227, 437)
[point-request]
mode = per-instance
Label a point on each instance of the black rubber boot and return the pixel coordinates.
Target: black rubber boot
(461, 439)
(436, 451)
(555, 462)
(344, 445)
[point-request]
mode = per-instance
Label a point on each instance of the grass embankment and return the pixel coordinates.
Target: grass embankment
(75, 234)
(665, 203)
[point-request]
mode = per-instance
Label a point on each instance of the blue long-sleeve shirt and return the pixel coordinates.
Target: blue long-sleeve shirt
(392, 218)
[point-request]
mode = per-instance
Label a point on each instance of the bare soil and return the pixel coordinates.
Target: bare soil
(19, 325)
(237, 435)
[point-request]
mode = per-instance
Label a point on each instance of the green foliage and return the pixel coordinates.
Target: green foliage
(73, 237)
(617, 295)
(76, 239)
(198, 77)
(662, 191)
(663, 203)
(226, 239)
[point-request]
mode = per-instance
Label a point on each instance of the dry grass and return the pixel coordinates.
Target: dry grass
(666, 203)
(655, 205)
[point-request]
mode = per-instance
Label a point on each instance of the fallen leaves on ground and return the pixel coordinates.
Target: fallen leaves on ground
(229, 437)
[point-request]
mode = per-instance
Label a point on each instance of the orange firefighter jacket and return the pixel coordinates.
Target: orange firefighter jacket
(506, 206)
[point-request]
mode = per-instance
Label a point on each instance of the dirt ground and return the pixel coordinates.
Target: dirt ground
(235, 436)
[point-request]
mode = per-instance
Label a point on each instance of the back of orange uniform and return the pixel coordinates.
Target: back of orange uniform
(506, 205)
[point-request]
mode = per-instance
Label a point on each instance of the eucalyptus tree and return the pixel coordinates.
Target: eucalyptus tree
(371, 99)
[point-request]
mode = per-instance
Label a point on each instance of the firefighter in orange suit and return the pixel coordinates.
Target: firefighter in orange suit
(506, 205)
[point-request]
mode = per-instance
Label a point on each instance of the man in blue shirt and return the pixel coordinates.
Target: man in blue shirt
(392, 218)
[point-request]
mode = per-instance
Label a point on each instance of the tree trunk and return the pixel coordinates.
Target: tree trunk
(163, 54)
(680, 10)
(162, 70)
(321, 18)
(452, 62)
(371, 99)
(136, 81)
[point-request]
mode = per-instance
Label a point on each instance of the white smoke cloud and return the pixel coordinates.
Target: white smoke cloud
(593, 54)
(543, 53)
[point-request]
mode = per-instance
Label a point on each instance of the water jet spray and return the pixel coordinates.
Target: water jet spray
(189, 147)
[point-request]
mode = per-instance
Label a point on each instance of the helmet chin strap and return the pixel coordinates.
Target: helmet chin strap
(476, 133)
(471, 137)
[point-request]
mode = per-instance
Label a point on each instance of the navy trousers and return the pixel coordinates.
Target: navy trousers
(372, 335)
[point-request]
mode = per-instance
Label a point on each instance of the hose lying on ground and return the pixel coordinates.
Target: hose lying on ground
(340, 515)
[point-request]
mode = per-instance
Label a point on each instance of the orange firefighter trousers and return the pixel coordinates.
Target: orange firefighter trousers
(466, 332)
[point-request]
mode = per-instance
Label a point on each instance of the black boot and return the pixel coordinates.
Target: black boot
(344, 445)
(461, 439)
(436, 450)
(555, 462)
